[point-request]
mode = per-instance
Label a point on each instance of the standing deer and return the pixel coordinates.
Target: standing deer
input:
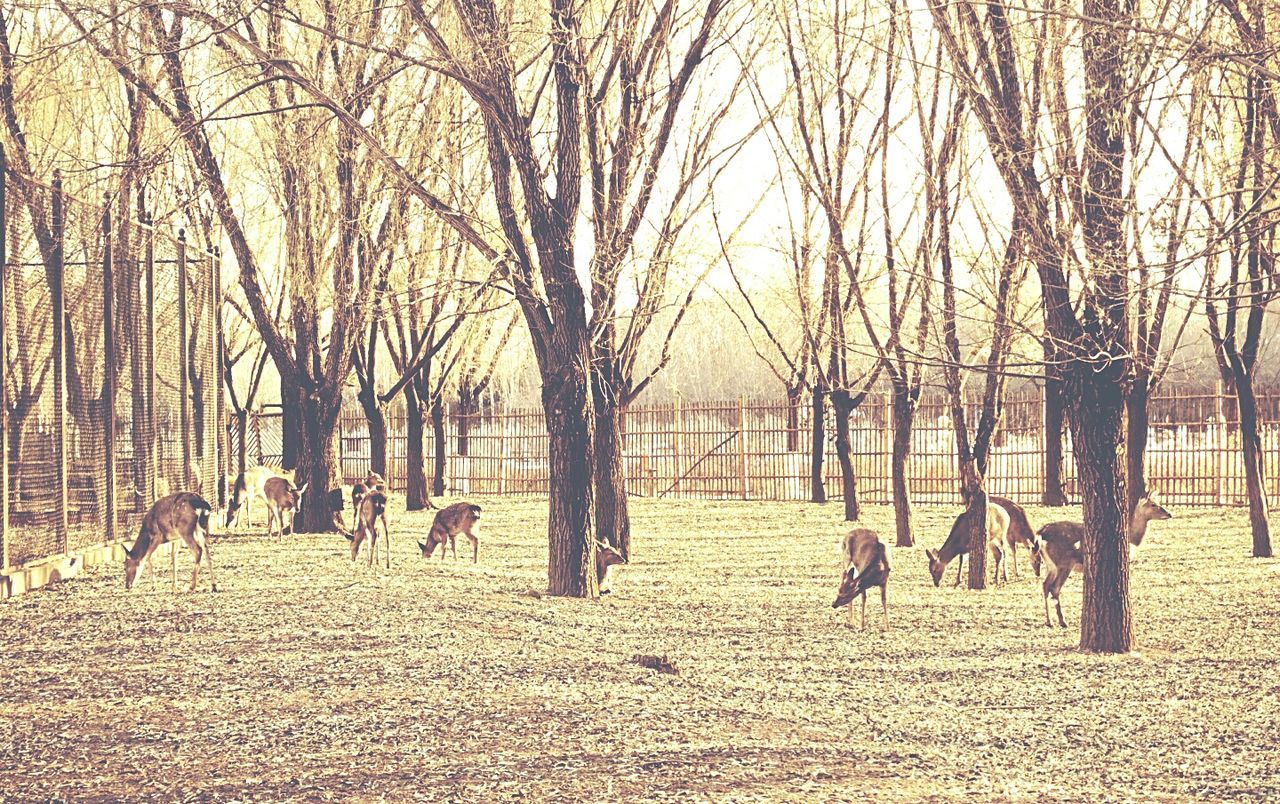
(372, 505)
(184, 515)
(607, 556)
(250, 485)
(1146, 512)
(866, 565)
(449, 522)
(283, 500)
(957, 543)
(1020, 530)
(1059, 548)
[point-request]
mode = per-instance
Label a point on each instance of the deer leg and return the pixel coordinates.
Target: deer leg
(475, 548)
(373, 545)
(453, 545)
(884, 604)
(1057, 595)
(959, 564)
(208, 556)
(863, 627)
(1013, 553)
(196, 554)
(173, 564)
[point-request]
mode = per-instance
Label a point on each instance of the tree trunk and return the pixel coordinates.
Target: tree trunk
(439, 445)
(290, 425)
(415, 478)
(242, 447)
(1055, 409)
(569, 413)
(1097, 422)
(976, 502)
(842, 405)
(904, 411)
(317, 460)
(818, 490)
(613, 519)
(375, 415)
(1251, 446)
(466, 407)
(1137, 420)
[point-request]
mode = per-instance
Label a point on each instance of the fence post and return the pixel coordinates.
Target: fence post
(742, 444)
(57, 294)
(109, 370)
(4, 363)
(184, 431)
(678, 424)
(219, 378)
(1220, 443)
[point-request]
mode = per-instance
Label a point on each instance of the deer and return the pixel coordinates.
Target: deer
(184, 515)
(957, 543)
(1147, 510)
(1020, 530)
(372, 505)
(251, 484)
(607, 556)
(283, 499)
(866, 565)
(451, 520)
(1059, 548)
(336, 500)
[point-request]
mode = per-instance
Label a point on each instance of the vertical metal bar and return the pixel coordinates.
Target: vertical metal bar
(57, 295)
(219, 406)
(149, 299)
(4, 363)
(184, 429)
(109, 370)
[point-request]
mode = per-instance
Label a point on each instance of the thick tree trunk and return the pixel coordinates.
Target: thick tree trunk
(613, 519)
(843, 406)
(439, 445)
(818, 491)
(904, 411)
(466, 407)
(1097, 422)
(1055, 420)
(976, 504)
(317, 464)
(290, 425)
(1251, 446)
(415, 478)
(375, 415)
(569, 418)
(242, 444)
(1137, 421)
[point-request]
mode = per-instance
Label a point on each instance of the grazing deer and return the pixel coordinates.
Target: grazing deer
(866, 565)
(1059, 548)
(373, 504)
(251, 484)
(607, 556)
(1146, 511)
(957, 543)
(283, 501)
(449, 522)
(1020, 530)
(184, 515)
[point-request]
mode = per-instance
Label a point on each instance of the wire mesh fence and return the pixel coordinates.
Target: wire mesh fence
(763, 450)
(117, 403)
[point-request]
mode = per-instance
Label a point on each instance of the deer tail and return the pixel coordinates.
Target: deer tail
(884, 554)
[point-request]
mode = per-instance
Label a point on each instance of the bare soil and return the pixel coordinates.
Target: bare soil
(309, 678)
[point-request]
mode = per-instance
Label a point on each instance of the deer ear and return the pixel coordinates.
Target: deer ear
(302, 489)
(930, 554)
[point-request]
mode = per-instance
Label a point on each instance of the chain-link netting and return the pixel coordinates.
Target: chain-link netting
(161, 363)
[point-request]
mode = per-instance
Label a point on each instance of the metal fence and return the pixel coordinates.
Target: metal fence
(119, 404)
(762, 450)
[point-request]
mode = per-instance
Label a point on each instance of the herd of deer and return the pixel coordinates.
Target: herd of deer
(1056, 546)
(185, 516)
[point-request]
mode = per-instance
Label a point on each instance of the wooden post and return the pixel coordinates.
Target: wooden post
(677, 426)
(1221, 442)
(742, 445)
(109, 371)
(220, 392)
(502, 454)
(184, 432)
(57, 293)
(4, 363)
(149, 300)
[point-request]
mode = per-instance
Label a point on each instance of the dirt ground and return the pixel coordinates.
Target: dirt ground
(308, 678)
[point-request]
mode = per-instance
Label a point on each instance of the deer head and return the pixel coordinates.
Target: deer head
(131, 565)
(606, 556)
(1149, 509)
(853, 584)
(1035, 557)
(936, 566)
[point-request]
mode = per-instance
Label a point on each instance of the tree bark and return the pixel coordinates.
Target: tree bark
(976, 502)
(569, 413)
(375, 415)
(817, 488)
(904, 411)
(415, 493)
(613, 517)
(439, 445)
(317, 461)
(1097, 422)
(290, 425)
(1055, 422)
(842, 403)
(794, 393)
(1251, 447)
